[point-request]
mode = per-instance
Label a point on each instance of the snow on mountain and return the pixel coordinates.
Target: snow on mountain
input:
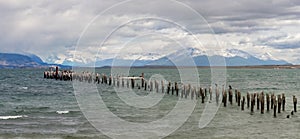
(235, 52)
(140, 56)
(267, 56)
(233, 57)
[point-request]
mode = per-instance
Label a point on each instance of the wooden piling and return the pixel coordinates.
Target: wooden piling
(257, 100)
(176, 88)
(236, 95)
(210, 93)
(192, 93)
(168, 88)
(224, 98)
(172, 90)
(239, 97)
(248, 100)
(262, 102)
(295, 103)
(275, 107)
(283, 102)
(279, 103)
(268, 102)
(151, 85)
(185, 91)
(217, 94)
(157, 86)
(243, 103)
(162, 87)
(272, 101)
(230, 96)
(202, 95)
(142, 80)
(252, 103)
(132, 83)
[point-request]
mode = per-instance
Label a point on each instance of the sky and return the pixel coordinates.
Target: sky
(82, 31)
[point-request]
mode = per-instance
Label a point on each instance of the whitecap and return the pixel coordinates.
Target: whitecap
(11, 117)
(25, 88)
(62, 112)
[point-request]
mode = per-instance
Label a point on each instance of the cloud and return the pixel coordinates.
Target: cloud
(51, 29)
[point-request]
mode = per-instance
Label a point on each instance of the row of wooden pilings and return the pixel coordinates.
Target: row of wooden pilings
(273, 102)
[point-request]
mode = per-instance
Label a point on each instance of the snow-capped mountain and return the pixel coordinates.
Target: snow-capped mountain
(183, 57)
(267, 56)
(230, 57)
(140, 56)
(235, 52)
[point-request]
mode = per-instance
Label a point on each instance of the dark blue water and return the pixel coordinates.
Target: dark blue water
(34, 107)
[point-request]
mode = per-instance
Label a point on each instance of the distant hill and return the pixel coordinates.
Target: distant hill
(11, 60)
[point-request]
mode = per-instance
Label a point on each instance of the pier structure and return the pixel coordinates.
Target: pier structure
(182, 91)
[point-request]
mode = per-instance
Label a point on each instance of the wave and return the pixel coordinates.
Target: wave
(62, 112)
(12, 117)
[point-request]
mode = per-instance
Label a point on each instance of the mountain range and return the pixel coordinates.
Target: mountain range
(12, 60)
(194, 56)
(186, 57)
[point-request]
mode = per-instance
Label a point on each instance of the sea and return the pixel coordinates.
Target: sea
(34, 107)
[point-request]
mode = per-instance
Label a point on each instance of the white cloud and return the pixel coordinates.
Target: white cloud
(51, 29)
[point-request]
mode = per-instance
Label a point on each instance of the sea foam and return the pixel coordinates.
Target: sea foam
(11, 117)
(62, 112)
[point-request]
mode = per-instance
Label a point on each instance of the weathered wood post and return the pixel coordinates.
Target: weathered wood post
(295, 103)
(272, 101)
(252, 103)
(262, 102)
(248, 100)
(192, 93)
(189, 89)
(162, 87)
(151, 85)
(142, 79)
(182, 90)
(239, 98)
(224, 98)
(156, 86)
(283, 102)
(230, 95)
(217, 94)
(275, 107)
(132, 83)
(210, 93)
(122, 82)
(243, 103)
(268, 102)
(257, 99)
(168, 88)
(254, 98)
(176, 88)
(185, 91)
(279, 103)
(56, 72)
(202, 95)
(109, 80)
(118, 81)
(146, 85)
(236, 95)
(172, 89)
